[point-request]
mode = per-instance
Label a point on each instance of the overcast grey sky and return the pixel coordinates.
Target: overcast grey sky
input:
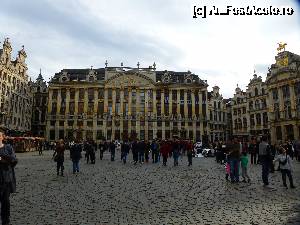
(224, 50)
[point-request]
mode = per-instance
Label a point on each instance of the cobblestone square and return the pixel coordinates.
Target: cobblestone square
(113, 193)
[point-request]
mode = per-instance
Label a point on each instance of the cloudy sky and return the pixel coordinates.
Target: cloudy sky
(225, 50)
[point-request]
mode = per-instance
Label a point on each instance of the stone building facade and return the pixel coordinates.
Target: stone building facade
(239, 114)
(15, 91)
(122, 102)
(257, 110)
(217, 116)
(39, 107)
(283, 86)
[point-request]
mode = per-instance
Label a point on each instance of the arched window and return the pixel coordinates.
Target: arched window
(257, 104)
(256, 91)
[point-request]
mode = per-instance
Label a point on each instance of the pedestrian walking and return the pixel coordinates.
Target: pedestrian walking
(8, 162)
(102, 148)
(176, 152)
(155, 151)
(265, 159)
(285, 166)
(135, 152)
(124, 151)
(244, 166)
(40, 147)
(189, 150)
(75, 155)
(59, 157)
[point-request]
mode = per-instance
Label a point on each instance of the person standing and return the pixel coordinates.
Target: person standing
(285, 163)
(75, 155)
(176, 152)
(112, 149)
(8, 161)
(244, 166)
(265, 159)
(141, 147)
(234, 156)
(252, 151)
(164, 152)
(59, 157)
(40, 147)
(155, 151)
(102, 149)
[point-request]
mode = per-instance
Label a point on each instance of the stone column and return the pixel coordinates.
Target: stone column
(67, 102)
(129, 109)
(185, 112)
(193, 113)
(154, 105)
(96, 102)
(146, 113)
(162, 99)
(76, 101)
(293, 100)
(86, 101)
(58, 102)
(200, 114)
(50, 101)
(113, 127)
(178, 111)
(281, 102)
(121, 111)
(137, 107)
(105, 101)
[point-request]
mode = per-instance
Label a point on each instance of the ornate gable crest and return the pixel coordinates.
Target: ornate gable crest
(64, 76)
(166, 77)
(91, 76)
(188, 78)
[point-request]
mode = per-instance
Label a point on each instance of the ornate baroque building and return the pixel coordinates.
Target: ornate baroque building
(239, 113)
(15, 93)
(217, 116)
(257, 111)
(283, 86)
(122, 102)
(39, 108)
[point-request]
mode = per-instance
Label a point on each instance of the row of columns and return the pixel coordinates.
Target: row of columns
(122, 101)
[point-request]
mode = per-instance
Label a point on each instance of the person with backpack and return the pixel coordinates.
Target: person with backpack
(8, 162)
(285, 163)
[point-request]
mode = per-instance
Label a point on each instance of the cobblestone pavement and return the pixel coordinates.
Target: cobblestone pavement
(113, 193)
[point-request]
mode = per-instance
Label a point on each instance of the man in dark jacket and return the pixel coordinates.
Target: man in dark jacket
(75, 154)
(7, 178)
(112, 149)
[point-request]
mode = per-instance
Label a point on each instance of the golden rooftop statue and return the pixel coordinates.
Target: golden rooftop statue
(281, 46)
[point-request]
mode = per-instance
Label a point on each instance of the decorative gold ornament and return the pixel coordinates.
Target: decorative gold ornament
(281, 46)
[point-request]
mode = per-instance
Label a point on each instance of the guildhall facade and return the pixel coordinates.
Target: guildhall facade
(123, 102)
(15, 91)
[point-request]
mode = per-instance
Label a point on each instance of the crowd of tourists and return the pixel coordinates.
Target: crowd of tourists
(234, 155)
(142, 152)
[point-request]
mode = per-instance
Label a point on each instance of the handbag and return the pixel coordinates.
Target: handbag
(55, 158)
